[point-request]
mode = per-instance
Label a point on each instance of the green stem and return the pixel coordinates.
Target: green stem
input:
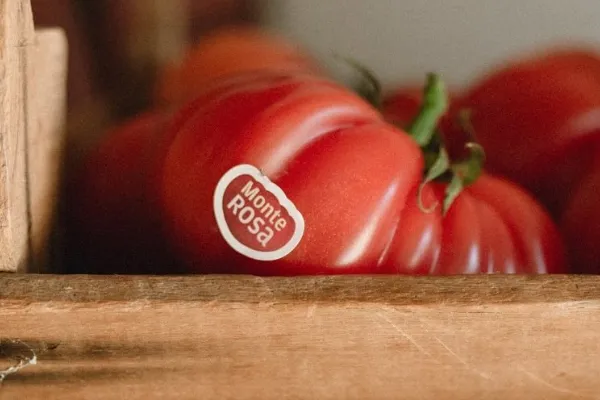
(438, 167)
(424, 130)
(435, 103)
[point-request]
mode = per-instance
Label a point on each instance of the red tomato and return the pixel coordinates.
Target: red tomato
(536, 119)
(113, 224)
(294, 175)
(580, 221)
(493, 227)
(225, 51)
(401, 105)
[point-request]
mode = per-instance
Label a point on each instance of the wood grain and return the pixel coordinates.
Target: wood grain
(16, 37)
(46, 136)
(32, 132)
(217, 337)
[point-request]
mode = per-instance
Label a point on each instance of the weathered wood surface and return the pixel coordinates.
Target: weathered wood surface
(487, 337)
(33, 77)
(16, 38)
(47, 92)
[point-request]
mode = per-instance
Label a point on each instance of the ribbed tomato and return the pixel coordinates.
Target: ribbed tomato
(345, 183)
(493, 227)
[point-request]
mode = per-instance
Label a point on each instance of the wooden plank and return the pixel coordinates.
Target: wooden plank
(32, 104)
(46, 135)
(211, 337)
(16, 36)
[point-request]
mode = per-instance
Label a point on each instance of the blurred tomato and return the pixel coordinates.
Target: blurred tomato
(113, 223)
(225, 51)
(580, 222)
(402, 104)
(536, 118)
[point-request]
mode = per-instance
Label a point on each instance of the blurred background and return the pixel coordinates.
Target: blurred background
(116, 46)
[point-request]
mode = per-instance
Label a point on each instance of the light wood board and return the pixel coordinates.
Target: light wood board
(32, 131)
(210, 337)
(46, 134)
(16, 37)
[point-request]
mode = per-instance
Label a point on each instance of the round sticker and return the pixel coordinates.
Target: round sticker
(255, 216)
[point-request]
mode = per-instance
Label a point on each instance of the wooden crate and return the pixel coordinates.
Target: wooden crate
(32, 109)
(220, 337)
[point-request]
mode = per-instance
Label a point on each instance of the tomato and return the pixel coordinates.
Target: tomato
(291, 174)
(401, 105)
(536, 118)
(113, 224)
(580, 221)
(225, 51)
(494, 226)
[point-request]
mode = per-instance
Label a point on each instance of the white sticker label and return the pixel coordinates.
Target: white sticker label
(255, 216)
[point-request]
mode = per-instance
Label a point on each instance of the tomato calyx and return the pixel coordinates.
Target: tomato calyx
(424, 129)
(439, 167)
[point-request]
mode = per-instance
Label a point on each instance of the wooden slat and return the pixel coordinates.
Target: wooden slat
(46, 135)
(482, 337)
(16, 37)
(32, 133)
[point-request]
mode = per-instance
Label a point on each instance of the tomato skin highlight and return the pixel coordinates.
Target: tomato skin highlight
(535, 236)
(494, 226)
(416, 245)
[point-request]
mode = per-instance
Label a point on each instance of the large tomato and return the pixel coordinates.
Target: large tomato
(536, 118)
(287, 174)
(227, 51)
